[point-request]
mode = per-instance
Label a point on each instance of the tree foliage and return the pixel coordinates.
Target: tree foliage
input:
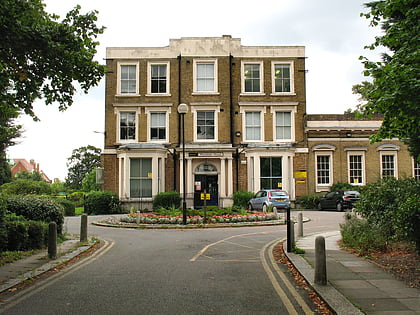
(395, 88)
(43, 58)
(82, 161)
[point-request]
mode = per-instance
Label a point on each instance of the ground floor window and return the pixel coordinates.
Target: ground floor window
(417, 170)
(356, 169)
(270, 172)
(140, 177)
(323, 169)
(388, 165)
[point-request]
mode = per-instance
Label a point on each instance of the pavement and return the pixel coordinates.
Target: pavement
(354, 286)
(12, 274)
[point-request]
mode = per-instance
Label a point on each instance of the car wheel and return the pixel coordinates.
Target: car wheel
(339, 206)
(264, 208)
(250, 207)
(319, 206)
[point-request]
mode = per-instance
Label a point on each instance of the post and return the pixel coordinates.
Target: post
(320, 261)
(205, 206)
(52, 240)
(289, 231)
(300, 224)
(182, 110)
(83, 228)
(138, 217)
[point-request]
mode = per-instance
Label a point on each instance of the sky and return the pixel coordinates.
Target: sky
(332, 31)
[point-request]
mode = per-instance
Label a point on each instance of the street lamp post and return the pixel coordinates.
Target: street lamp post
(182, 110)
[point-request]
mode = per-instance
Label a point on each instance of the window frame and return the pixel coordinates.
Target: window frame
(216, 110)
(118, 112)
(149, 177)
(394, 156)
(261, 78)
(126, 63)
(273, 77)
(416, 169)
(292, 110)
(363, 167)
(324, 186)
(253, 109)
(151, 110)
(271, 178)
(196, 62)
(150, 64)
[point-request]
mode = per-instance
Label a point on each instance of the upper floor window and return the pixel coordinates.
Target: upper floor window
(157, 126)
(283, 126)
(127, 124)
(252, 126)
(205, 125)
(128, 79)
(252, 77)
(282, 77)
(158, 78)
(205, 76)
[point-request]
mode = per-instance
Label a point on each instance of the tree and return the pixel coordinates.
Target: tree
(394, 91)
(43, 58)
(82, 161)
(34, 176)
(89, 182)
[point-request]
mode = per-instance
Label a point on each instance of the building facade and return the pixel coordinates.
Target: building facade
(245, 126)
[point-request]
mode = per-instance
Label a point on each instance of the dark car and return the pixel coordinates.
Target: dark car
(269, 198)
(339, 200)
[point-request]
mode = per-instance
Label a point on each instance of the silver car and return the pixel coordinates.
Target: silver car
(269, 198)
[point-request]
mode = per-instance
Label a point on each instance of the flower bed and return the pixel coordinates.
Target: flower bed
(152, 218)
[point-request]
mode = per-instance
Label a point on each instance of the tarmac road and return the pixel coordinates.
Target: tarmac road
(202, 271)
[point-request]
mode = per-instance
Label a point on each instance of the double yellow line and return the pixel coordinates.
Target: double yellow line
(21, 296)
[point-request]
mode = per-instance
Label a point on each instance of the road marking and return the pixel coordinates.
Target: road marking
(286, 301)
(205, 248)
(19, 297)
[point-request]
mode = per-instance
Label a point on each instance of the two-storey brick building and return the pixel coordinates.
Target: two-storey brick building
(246, 127)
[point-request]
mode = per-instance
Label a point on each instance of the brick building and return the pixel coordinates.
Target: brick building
(245, 128)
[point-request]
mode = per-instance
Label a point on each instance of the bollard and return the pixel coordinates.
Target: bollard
(138, 217)
(83, 228)
(320, 261)
(292, 237)
(52, 240)
(300, 225)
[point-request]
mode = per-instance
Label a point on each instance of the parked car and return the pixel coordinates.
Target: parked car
(269, 198)
(339, 200)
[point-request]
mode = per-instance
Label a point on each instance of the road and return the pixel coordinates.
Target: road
(202, 271)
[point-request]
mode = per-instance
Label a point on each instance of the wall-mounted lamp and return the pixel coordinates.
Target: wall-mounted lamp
(238, 133)
(348, 134)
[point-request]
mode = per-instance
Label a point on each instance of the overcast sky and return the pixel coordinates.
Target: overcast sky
(332, 31)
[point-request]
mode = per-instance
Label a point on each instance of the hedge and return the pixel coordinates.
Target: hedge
(102, 202)
(167, 200)
(23, 235)
(37, 209)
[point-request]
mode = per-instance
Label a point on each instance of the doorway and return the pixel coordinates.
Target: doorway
(206, 181)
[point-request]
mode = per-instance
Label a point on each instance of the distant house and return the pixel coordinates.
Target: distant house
(22, 165)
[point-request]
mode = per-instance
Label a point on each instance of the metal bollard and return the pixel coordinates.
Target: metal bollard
(300, 224)
(52, 240)
(320, 261)
(292, 237)
(138, 217)
(83, 228)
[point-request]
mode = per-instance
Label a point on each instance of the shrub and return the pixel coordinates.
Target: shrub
(78, 198)
(69, 208)
(310, 201)
(241, 198)
(25, 235)
(26, 187)
(167, 200)
(362, 236)
(37, 209)
(102, 202)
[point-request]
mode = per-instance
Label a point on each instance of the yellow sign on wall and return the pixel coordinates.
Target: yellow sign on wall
(207, 196)
(301, 174)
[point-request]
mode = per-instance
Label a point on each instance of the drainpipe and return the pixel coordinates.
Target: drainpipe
(175, 156)
(232, 122)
